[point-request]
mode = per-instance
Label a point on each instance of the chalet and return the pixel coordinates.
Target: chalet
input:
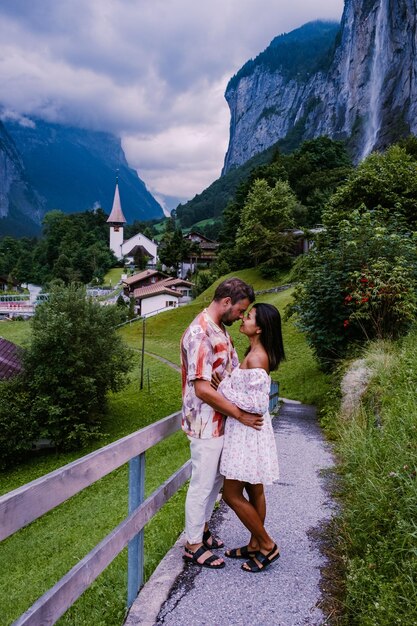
(136, 245)
(204, 254)
(10, 359)
(154, 299)
(142, 279)
(155, 291)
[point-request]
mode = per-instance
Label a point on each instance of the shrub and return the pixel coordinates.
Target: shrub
(74, 358)
(358, 283)
(17, 427)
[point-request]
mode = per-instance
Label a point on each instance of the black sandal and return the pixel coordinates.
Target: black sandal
(215, 543)
(265, 561)
(244, 553)
(192, 557)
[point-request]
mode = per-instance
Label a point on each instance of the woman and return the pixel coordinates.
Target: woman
(249, 458)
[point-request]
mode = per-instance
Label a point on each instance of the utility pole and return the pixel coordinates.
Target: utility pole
(143, 352)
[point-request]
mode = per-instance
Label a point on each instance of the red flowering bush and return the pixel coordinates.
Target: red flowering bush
(359, 282)
(382, 298)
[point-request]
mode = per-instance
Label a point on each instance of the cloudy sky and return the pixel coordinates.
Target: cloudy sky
(153, 72)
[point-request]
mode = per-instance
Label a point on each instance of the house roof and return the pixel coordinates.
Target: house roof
(135, 249)
(10, 359)
(176, 282)
(195, 233)
(116, 216)
(131, 280)
(156, 289)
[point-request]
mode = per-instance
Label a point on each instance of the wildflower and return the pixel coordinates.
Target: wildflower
(364, 280)
(348, 298)
(365, 299)
(346, 323)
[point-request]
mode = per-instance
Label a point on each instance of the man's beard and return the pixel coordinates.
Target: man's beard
(226, 319)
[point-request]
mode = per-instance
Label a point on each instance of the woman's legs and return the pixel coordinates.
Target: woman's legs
(257, 499)
(251, 513)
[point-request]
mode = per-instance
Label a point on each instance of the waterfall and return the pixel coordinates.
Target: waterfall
(379, 66)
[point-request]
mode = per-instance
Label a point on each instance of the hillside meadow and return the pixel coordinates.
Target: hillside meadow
(45, 550)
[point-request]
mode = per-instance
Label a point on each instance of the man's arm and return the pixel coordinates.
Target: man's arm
(207, 394)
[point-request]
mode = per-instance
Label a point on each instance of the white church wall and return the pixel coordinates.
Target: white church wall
(141, 240)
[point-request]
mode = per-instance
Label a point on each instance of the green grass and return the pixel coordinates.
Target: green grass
(16, 331)
(299, 376)
(37, 556)
(113, 276)
(378, 526)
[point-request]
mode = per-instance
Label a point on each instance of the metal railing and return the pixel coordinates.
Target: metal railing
(22, 506)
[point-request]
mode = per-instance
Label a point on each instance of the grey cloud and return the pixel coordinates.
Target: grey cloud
(156, 69)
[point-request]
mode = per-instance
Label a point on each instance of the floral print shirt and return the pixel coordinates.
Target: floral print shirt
(205, 348)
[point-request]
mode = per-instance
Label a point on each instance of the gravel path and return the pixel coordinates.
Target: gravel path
(288, 592)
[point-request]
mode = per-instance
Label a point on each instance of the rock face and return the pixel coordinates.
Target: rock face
(366, 93)
(20, 206)
(51, 166)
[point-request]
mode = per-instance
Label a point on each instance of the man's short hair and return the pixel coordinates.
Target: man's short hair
(235, 289)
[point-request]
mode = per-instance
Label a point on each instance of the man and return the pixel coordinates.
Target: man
(207, 352)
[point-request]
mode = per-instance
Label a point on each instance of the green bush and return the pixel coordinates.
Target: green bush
(358, 283)
(74, 358)
(18, 430)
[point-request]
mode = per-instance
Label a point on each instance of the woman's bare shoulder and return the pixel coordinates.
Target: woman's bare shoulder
(257, 359)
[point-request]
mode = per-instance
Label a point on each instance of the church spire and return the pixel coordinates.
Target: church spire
(116, 216)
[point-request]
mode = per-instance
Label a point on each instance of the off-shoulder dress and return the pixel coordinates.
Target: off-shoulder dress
(249, 455)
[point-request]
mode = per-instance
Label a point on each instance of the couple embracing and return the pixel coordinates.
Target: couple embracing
(237, 452)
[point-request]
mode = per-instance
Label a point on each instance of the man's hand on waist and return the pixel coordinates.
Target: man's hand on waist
(251, 419)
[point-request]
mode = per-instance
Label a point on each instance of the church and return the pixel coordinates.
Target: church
(129, 248)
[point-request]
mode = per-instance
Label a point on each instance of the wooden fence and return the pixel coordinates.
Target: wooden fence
(25, 504)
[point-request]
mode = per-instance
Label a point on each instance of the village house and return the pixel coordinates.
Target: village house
(204, 254)
(154, 291)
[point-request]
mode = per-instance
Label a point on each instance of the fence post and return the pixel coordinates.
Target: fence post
(135, 547)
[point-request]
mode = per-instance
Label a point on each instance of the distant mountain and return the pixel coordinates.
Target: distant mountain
(21, 208)
(355, 82)
(73, 170)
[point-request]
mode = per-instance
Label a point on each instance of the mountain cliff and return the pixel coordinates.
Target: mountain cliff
(20, 206)
(355, 82)
(71, 169)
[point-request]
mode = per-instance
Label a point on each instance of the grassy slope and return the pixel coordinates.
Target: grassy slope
(46, 549)
(16, 331)
(299, 376)
(379, 525)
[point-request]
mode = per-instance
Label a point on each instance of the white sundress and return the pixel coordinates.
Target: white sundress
(249, 455)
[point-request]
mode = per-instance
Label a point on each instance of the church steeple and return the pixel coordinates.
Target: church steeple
(116, 220)
(116, 216)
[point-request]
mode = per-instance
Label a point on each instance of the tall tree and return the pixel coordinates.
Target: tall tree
(266, 214)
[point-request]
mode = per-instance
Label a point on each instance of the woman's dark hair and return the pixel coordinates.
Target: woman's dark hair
(269, 321)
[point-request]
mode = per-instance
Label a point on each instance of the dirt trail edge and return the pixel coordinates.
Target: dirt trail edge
(287, 593)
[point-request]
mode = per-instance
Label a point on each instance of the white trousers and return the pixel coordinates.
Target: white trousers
(205, 484)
